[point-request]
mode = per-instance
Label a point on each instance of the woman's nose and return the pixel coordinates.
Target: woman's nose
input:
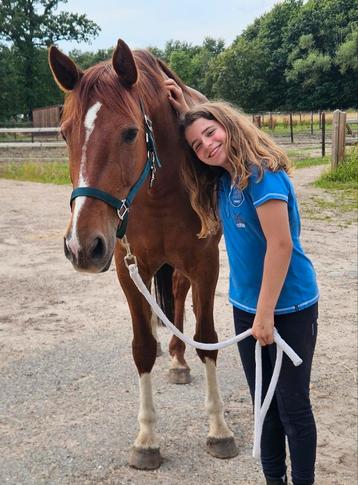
(207, 142)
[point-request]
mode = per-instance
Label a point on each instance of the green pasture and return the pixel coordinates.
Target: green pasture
(43, 172)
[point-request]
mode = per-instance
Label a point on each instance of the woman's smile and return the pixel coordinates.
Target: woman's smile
(215, 151)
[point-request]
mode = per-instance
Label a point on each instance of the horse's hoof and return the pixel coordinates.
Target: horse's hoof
(179, 376)
(222, 447)
(145, 458)
(159, 349)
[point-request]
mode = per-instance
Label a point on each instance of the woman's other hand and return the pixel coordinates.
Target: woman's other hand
(176, 96)
(262, 329)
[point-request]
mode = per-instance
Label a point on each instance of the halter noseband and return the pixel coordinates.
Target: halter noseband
(122, 205)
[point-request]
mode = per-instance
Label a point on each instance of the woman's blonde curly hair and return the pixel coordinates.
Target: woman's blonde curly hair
(246, 146)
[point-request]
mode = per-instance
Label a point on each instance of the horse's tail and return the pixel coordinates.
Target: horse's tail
(163, 284)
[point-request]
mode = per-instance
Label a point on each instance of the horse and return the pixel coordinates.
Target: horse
(119, 128)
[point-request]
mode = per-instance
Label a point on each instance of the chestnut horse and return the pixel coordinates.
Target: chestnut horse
(110, 142)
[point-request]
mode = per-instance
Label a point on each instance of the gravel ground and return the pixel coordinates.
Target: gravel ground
(68, 385)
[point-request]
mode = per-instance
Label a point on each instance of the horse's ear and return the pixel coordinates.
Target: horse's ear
(124, 64)
(64, 70)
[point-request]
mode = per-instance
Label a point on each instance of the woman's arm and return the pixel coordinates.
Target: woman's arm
(273, 216)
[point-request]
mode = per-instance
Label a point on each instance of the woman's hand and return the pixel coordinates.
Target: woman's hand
(176, 96)
(262, 328)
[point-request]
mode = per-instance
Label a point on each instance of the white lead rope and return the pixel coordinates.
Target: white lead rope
(282, 346)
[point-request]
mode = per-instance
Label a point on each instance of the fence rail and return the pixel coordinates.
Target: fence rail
(303, 130)
(30, 130)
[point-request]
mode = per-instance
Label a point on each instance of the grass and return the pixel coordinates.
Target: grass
(345, 177)
(43, 172)
(301, 157)
(310, 161)
(282, 129)
(342, 183)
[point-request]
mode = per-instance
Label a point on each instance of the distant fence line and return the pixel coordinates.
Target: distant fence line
(319, 127)
(314, 128)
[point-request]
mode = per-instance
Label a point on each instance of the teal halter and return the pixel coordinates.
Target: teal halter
(122, 205)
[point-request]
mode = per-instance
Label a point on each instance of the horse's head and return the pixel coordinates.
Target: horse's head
(103, 126)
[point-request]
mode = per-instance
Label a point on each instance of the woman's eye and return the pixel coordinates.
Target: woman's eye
(197, 147)
(130, 135)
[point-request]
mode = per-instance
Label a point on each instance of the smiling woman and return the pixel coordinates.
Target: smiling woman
(239, 180)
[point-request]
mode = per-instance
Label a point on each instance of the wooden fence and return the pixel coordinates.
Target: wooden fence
(338, 138)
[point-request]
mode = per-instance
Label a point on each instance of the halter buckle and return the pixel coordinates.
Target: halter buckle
(122, 211)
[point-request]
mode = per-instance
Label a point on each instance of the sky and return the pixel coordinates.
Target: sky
(151, 23)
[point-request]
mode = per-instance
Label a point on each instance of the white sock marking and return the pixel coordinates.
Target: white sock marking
(146, 417)
(214, 404)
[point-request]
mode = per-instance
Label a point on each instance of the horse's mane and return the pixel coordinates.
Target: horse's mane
(101, 82)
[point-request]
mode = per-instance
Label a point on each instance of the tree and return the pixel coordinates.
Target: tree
(11, 85)
(347, 53)
(31, 24)
(87, 59)
(251, 72)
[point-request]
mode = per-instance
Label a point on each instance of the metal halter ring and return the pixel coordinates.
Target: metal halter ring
(122, 211)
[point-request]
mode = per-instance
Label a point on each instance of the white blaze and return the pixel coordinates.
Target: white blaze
(78, 203)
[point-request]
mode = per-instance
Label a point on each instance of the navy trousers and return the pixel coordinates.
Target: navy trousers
(290, 414)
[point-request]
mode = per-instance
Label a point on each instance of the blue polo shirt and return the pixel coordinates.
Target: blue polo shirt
(246, 243)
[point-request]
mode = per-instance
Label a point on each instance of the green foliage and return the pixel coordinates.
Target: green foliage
(299, 56)
(88, 59)
(193, 64)
(44, 172)
(29, 26)
(347, 54)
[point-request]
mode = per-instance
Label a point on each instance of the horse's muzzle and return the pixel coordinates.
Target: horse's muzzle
(93, 258)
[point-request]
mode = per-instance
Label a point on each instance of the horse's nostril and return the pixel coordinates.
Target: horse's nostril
(98, 249)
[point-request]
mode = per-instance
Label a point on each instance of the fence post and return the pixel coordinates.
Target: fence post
(311, 122)
(291, 128)
(323, 134)
(338, 137)
(257, 121)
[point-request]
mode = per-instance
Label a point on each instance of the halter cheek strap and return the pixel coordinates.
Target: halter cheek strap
(122, 205)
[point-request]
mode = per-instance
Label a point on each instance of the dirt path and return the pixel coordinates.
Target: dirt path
(68, 385)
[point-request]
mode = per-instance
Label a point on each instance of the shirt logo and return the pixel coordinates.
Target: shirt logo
(239, 223)
(236, 196)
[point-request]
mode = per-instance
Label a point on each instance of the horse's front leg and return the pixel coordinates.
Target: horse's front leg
(220, 441)
(145, 453)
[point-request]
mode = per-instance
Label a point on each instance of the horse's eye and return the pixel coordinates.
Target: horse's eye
(130, 135)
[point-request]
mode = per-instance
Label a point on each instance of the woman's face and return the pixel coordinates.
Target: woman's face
(208, 140)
